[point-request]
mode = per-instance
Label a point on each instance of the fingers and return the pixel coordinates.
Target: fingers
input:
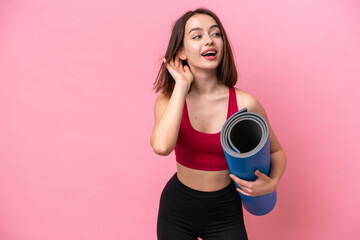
(246, 186)
(262, 176)
(262, 185)
(177, 61)
(177, 70)
(241, 191)
(174, 65)
(169, 65)
(182, 66)
(241, 182)
(166, 63)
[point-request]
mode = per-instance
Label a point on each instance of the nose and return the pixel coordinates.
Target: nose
(208, 40)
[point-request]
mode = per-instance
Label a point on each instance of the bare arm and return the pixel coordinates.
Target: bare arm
(168, 113)
(264, 184)
(277, 154)
(168, 110)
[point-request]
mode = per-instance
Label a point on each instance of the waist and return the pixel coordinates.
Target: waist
(202, 180)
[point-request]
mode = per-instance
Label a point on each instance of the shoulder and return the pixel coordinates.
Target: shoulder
(161, 99)
(161, 103)
(245, 99)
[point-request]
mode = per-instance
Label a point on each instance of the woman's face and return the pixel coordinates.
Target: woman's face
(202, 33)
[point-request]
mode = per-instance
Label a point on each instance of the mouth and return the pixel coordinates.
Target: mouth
(210, 54)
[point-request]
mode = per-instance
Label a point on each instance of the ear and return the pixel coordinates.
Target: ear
(181, 54)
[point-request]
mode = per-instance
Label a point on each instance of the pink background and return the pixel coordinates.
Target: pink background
(76, 114)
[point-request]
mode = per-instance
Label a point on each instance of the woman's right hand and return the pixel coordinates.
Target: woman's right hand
(181, 74)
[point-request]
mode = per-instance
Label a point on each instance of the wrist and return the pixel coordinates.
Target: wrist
(182, 86)
(275, 183)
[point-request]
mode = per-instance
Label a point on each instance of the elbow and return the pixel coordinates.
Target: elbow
(161, 149)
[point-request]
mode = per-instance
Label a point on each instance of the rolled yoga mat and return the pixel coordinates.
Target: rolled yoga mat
(245, 140)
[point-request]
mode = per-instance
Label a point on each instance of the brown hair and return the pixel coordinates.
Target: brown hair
(226, 71)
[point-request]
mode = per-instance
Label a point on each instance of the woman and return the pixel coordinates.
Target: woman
(197, 82)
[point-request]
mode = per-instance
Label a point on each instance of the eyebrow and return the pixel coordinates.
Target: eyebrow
(198, 28)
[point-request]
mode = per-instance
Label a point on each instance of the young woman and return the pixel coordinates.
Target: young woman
(197, 82)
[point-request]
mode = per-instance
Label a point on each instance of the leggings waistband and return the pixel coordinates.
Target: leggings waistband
(230, 187)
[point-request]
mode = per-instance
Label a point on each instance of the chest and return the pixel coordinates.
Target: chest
(207, 115)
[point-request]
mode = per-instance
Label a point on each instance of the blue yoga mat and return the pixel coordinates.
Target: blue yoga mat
(245, 140)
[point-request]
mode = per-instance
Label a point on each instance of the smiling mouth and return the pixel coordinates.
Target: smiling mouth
(209, 55)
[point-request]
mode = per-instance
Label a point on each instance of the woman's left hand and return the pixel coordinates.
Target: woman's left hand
(262, 185)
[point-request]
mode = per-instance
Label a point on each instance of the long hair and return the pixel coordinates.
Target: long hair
(226, 71)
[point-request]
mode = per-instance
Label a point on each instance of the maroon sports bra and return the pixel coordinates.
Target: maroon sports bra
(200, 150)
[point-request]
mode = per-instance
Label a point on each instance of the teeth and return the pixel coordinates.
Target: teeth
(210, 52)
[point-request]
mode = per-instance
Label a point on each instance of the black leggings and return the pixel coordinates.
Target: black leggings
(185, 213)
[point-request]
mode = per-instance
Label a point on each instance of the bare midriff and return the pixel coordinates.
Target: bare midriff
(202, 180)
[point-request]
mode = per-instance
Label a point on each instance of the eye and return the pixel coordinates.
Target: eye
(216, 35)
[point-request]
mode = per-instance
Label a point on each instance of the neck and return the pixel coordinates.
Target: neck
(204, 83)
